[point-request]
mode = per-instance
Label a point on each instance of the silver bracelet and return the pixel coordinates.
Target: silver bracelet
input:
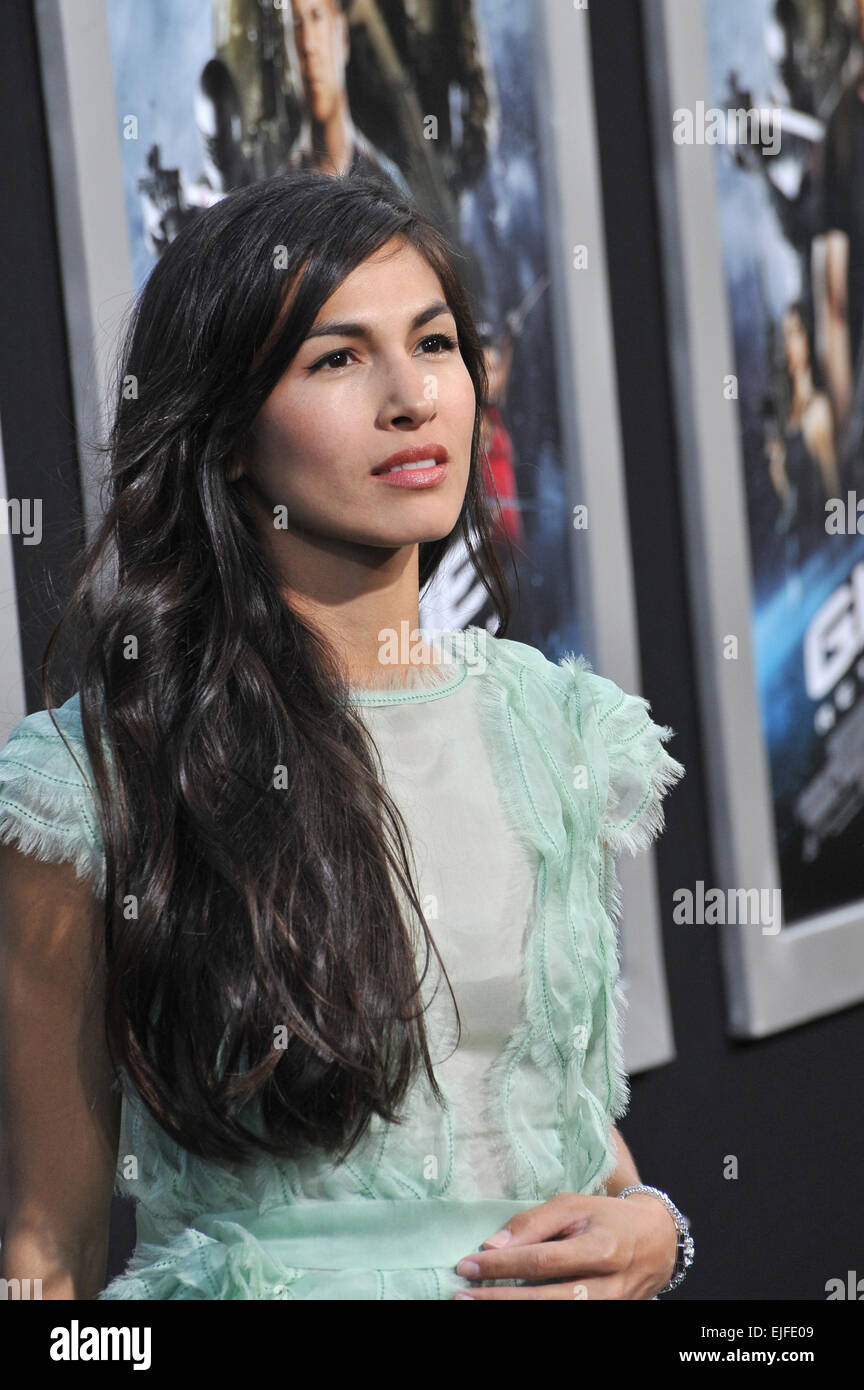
(686, 1248)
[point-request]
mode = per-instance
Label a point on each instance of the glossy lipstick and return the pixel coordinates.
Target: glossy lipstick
(404, 469)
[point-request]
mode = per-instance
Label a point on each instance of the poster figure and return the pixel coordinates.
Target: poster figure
(802, 458)
(402, 90)
(422, 89)
(329, 139)
(793, 244)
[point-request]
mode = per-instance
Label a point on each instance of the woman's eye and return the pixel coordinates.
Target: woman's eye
(443, 339)
(328, 360)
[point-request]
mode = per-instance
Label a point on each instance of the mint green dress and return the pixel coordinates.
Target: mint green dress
(520, 781)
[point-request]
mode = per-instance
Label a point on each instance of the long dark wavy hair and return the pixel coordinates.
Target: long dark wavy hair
(234, 908)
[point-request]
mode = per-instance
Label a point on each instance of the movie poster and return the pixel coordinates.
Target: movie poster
(790, 181)
(437, 95)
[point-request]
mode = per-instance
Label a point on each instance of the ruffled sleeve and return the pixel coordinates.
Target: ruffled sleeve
(632, 770)
(47, 803)
(629, 773)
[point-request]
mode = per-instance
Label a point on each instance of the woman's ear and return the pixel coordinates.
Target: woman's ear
(238, 467)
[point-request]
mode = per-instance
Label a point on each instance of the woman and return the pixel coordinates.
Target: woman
(809, 408)
(218, 932)
(803, 464)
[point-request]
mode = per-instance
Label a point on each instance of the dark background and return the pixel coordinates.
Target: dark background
(787, 1107)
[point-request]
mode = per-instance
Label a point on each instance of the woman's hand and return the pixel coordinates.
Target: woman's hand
(580, 1247)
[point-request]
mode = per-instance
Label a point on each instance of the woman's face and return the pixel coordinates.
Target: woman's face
(371, 380)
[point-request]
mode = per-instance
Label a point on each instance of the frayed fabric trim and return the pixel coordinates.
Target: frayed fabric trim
(46, 810)
(617, 744)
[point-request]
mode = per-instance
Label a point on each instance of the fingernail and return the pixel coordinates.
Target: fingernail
(464, 1295)
(499, 1238)
(468, 1269)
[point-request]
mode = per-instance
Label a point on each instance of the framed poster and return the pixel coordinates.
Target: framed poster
(471, 109)
(757, 121)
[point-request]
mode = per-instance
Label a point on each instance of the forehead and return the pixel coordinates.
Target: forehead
(395, 276)
(313, 9)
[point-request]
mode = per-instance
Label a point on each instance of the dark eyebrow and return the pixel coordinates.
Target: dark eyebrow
(358, 330)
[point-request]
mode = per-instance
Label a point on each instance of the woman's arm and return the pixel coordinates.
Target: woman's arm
(838, 352)
(59, 1117)
(626, 1174)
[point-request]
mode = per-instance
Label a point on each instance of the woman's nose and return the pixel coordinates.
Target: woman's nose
(411, 392)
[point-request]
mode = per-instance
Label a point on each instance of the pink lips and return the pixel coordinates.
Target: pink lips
(414, 477)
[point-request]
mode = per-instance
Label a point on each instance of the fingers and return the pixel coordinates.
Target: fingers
(593, 1253)
(566, 1214)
